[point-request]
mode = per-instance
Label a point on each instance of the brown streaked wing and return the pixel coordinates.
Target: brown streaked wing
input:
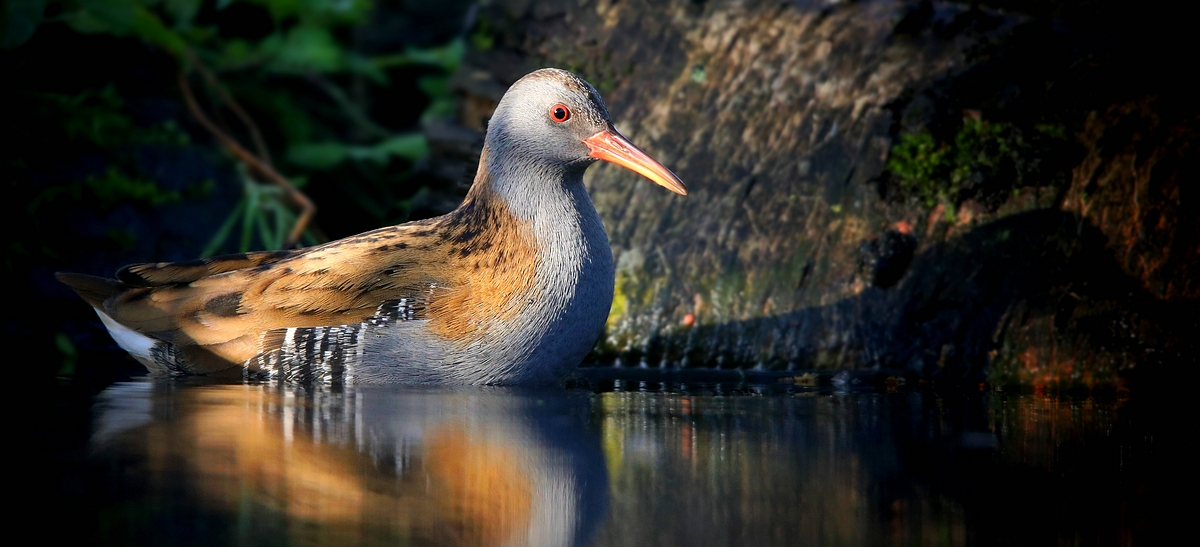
(324, 286)
(166, 273)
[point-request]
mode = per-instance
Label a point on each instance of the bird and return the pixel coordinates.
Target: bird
(513, 287)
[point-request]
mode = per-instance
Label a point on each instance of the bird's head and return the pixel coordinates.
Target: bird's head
(552, 118)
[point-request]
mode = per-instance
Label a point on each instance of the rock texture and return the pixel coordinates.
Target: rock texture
(797, 250)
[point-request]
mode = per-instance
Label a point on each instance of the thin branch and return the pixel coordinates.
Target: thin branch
(233, 105)
(257, 164)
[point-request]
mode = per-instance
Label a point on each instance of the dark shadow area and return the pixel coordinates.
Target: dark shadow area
(962, 300)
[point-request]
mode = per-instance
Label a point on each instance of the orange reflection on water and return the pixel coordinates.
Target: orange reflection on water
(344, 472)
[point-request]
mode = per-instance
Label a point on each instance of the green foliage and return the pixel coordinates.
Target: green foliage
(73, 152)
(96, 120)
(326, 155)
(983, 161)
(447, 57)
(303, 81)
(329, 13)
(443, 104)
(921, 166)
(115, 186)
(97, 117)
(261, 212)
(104, 191)
(483, 37)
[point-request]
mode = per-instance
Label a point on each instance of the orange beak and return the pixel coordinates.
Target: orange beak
(610, 145)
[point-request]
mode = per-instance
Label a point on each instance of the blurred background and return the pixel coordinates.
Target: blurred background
(970, 192)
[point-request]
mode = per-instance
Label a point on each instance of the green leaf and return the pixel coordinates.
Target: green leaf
(325, 12)
(280, 8)
(265, 234)
(308, 49)
(85, 22)
(123, 18)
(65, 346)
(117, 15)
(115, 186)
(443, 105)
(318, 155)
(199, 34)
(150, 28)
(223, 232)
(434, 85)
(19, 20)
(236, 52)
(446, 57)
(361, 65)
(284, 219)
(441, 108)
(483, 37)
(248, 215)
(183, 11)
(411, 147)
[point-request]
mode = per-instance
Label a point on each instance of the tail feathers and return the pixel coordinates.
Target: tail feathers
(153, 337)
(94, 290)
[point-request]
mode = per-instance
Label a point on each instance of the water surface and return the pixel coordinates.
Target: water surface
(617, 463)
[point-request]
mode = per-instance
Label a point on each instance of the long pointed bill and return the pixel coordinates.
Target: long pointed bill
(610, 145)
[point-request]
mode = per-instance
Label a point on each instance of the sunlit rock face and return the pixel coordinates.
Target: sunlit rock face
(357, 467)
(1055, 244)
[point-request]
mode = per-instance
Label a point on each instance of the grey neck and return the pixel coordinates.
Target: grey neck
(537, 191)
(555, 204)
(575, 268)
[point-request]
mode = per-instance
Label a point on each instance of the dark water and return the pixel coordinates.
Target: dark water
(169, 463)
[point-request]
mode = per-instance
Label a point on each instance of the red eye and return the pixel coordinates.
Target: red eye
(560, 113)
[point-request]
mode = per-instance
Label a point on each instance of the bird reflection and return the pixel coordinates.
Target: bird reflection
(364, 465)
